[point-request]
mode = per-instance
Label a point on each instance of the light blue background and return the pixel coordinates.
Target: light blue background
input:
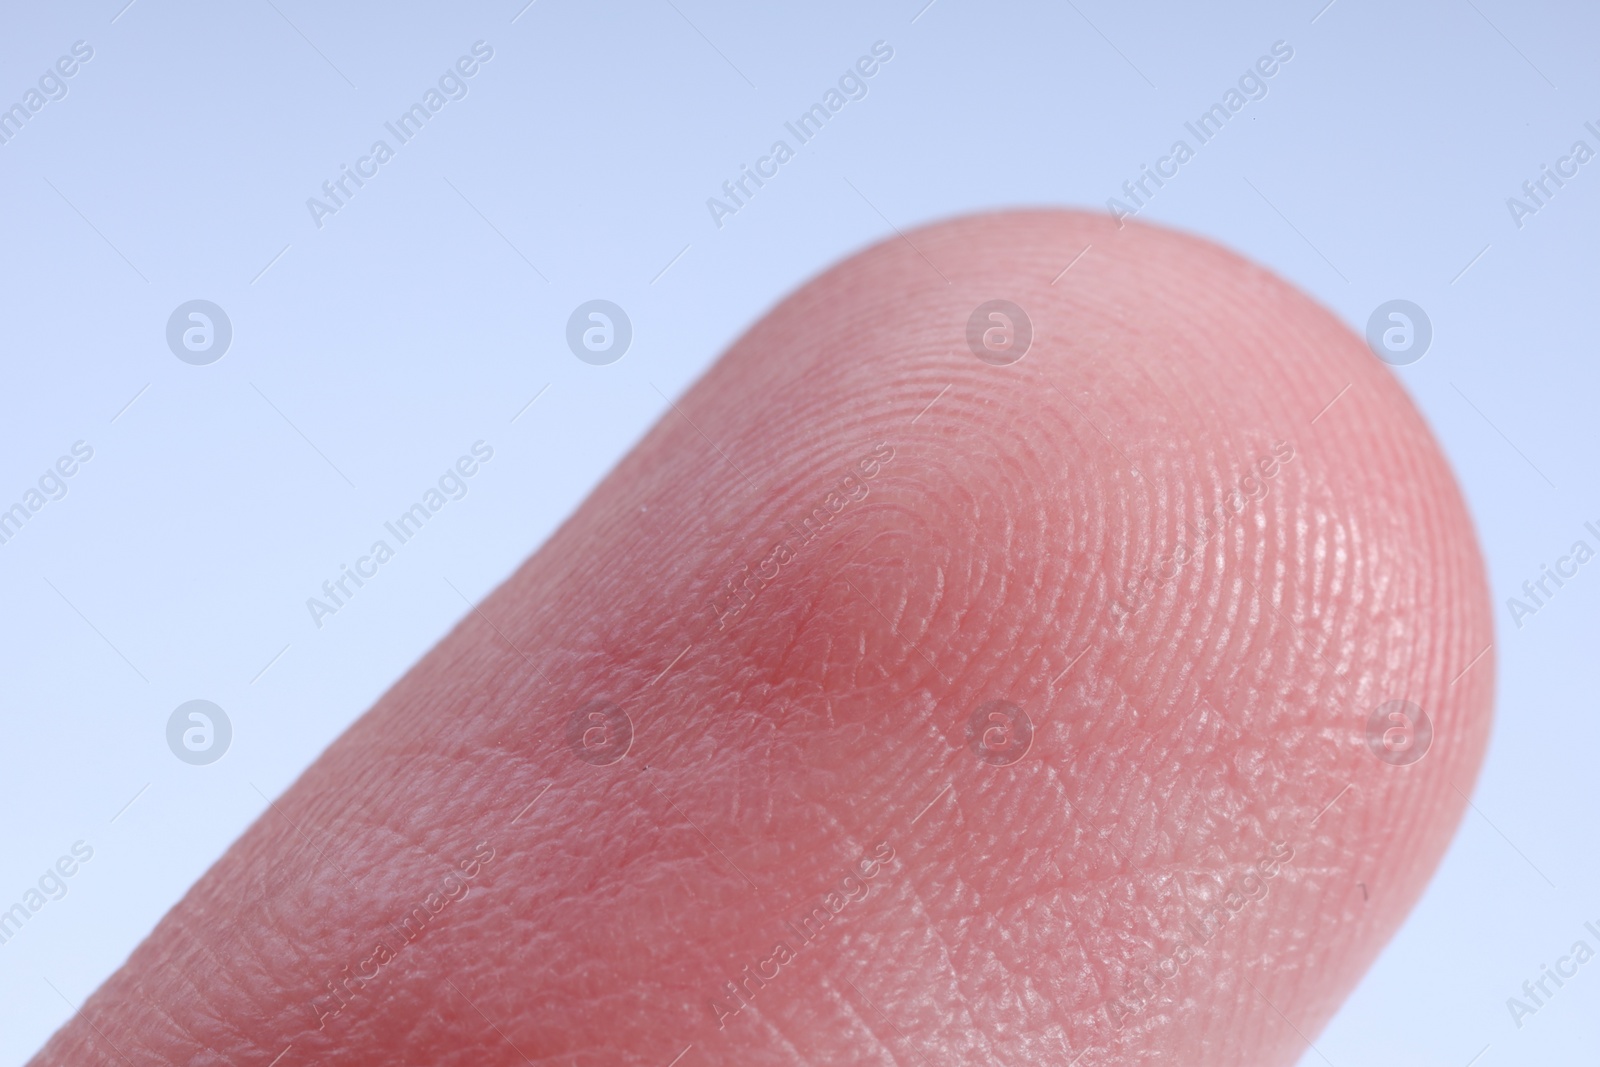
(377, 349)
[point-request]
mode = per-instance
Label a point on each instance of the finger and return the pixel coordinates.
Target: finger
(939, 681)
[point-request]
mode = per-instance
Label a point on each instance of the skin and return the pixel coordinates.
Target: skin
(1195, 858)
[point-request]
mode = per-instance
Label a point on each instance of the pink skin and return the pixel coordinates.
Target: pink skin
(1171, 871)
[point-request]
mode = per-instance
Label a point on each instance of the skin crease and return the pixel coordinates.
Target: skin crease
(1194, 860)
